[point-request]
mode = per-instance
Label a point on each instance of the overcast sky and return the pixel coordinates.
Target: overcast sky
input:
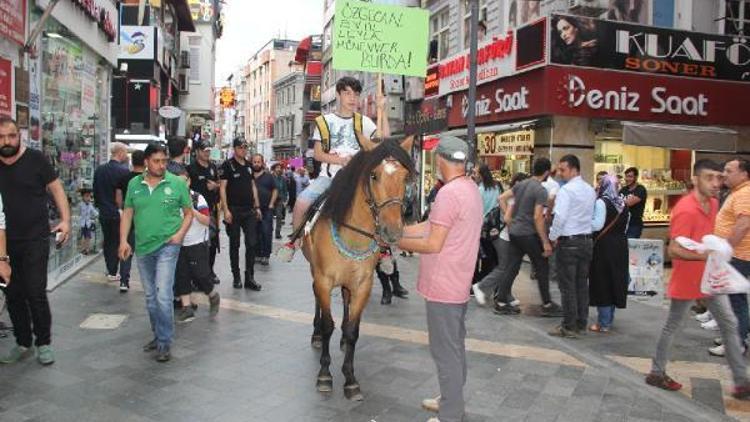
(249, 24)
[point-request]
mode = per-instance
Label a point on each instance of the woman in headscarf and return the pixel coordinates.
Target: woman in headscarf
(608, 278)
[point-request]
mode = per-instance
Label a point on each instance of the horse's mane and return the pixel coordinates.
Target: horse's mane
(340, 195)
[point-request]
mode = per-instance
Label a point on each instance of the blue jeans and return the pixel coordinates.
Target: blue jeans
(739, 301)
(157, 271)
(606, 315)
(265, 233)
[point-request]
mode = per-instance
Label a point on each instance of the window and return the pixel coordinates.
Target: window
(195, 58)
(440, 31)
(737, 14)
(467, 20)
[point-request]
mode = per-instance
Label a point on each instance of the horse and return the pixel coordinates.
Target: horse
(365, 202)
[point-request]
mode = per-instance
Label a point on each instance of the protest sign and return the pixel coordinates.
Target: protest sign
(378, 38)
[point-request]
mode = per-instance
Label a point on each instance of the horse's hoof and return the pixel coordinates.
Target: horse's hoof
(324, 384)
(316, 341)
(352, 392)
(385, 300)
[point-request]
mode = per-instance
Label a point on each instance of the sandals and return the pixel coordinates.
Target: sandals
(599, 329)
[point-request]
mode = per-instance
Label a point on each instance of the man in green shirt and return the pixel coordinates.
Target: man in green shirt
(159, 205)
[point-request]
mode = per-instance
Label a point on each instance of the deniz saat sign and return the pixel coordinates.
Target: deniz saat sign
(623, 46)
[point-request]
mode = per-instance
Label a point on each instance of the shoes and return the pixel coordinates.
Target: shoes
(16, 354)
(710, 325)
(513, 301)
(150, 346)
(286, 252)
(479, 295)
(237, 283)
(563, 332)
(552, 310)
(278, 236)
(215, 278)
(115, 277)
(264, 260)
(250, 283)
(664, 382)
(124, 286)
(599, 329)
(163, 355)
(386, 263)
(720, 350)
(186, 314)
(741, 392)
(214, 300)
(433, 419)
(506, 309)
(45, 355)
(431, 405)
(718, 341)
(704, 317)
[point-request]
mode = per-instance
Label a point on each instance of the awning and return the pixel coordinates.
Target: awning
(698, 138)
(303, 48)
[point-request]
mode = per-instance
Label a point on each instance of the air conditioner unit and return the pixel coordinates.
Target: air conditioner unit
(588, 7)
(184, 85)
(393, 84)
(184, 59)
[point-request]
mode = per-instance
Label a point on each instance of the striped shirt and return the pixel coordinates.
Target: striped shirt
(736, 205)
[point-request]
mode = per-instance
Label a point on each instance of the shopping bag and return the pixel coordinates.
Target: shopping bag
(720, 277)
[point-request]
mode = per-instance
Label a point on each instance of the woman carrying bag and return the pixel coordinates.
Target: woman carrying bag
(608, 277)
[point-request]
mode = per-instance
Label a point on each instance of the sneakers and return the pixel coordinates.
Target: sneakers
(479, 295)
(506, 309)
(163, 355)
(150, 346)
(214, 300)
(124, 286)
(386, 263)
(433, 420)
(704, 317)
(720, 350)
(113, 278)
(186, 314)
(16, 354)
(664, 382)
(431, 405)
(563, 332)
(286, 252)
(215, 278)
(552, 310)
(710, 325)
(264, 260)
(45, 355)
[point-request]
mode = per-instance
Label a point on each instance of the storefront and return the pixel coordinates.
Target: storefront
(71, 78)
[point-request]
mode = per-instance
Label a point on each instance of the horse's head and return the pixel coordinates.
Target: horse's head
(386, 191)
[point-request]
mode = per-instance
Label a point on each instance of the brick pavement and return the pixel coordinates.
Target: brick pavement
(254, 363)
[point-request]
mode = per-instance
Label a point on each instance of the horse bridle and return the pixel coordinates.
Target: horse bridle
(376, 207)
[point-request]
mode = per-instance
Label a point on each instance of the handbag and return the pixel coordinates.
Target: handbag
(493, 224)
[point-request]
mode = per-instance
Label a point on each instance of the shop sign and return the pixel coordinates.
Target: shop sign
(6, 87)
(506, 143)
(505, 99)
(427, 116)
(170, 112)
(432, 82)
(628, 96)
(13, 20)
(495, 60)
(202, 10)
(102, 12)
(226, 97)
(582, 41)
(136, 42)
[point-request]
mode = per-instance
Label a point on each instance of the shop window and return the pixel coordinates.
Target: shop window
(737, 17)
(440, 31)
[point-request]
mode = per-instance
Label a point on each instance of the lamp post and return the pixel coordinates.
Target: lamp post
(471, 137)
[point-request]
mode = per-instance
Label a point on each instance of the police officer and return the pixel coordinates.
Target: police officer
(204, 177)
(239, 198)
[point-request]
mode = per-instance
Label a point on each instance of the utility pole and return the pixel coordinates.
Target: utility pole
(471, 137)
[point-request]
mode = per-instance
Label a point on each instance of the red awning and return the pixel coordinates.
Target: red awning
(302, 49)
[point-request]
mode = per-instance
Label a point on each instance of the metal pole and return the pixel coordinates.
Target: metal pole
(471, 138)
(27, 47)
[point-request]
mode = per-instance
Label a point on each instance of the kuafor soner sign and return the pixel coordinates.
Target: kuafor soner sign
(627, 96)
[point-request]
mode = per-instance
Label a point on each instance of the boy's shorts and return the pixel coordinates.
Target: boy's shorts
(317, 187)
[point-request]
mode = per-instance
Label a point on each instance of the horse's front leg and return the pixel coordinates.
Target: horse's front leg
(317, 338)
(323, 296)
(350, 333)
(346, 298)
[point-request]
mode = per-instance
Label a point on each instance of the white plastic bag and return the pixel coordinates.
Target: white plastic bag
(719, 277)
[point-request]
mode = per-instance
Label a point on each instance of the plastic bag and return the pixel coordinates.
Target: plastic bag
(719, 277)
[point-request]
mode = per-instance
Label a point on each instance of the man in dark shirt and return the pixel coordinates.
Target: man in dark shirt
(106, 179)
(178, 150)
(26, 179)
(137, 162)
(204, 179)
(282, 189)
(239, 198)
(635, 198)
(267, 194)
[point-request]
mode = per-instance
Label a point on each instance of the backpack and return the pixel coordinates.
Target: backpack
(493, 224)
(325, 136)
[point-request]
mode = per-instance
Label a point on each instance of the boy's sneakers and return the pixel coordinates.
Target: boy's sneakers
(186, 314)
(286, 252)
(16, 354)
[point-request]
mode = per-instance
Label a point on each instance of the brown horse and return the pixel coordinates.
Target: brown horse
(365, 202)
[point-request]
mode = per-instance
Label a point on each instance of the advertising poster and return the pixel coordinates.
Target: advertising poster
(582, 41)
(646, 267)
(12, 20)
(6, 87)
(136, 42)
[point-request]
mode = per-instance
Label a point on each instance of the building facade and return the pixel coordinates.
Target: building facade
(288, 119)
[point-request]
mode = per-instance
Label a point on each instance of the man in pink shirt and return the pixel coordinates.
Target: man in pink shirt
(448, 244)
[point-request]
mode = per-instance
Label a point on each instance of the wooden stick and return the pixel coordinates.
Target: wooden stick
(377, 105)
